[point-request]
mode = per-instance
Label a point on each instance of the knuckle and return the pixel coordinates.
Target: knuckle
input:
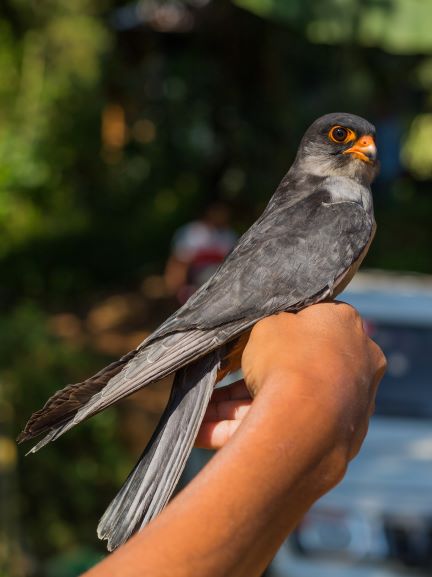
(382, 361)
(379, 357)
(348, 311)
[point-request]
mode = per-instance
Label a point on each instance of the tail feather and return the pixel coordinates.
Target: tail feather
(79, 401)
(153, 480)
(153, 361)
(64, 404)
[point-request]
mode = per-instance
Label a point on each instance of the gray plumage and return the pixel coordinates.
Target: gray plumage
(153, 479)
(316, 226)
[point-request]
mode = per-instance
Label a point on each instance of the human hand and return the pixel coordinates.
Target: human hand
(329, 360)
(227, 408)
(304, 348)
(314, 376)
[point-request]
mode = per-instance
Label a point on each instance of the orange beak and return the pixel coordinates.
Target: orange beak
(364, 149)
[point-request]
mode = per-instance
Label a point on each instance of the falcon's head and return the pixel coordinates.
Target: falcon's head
(339, 144)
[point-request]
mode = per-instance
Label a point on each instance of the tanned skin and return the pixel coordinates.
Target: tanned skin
(313, 377)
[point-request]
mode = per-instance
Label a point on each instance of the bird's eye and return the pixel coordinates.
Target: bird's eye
(340, 134)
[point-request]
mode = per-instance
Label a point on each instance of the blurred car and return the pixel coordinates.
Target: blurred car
(378, 521)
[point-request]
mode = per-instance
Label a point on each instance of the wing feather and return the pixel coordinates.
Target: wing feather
(152, 363)
(292, 257)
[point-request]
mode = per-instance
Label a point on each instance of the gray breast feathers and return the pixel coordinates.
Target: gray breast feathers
(343, 189)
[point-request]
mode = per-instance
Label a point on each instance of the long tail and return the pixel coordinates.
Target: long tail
(153, 480)
(150, 362)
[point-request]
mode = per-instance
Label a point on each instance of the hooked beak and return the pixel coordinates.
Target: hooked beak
(364, 149)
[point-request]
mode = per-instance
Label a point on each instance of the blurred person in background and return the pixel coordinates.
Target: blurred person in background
(198, 248)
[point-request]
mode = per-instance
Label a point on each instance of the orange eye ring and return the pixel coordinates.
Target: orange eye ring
(341, 135)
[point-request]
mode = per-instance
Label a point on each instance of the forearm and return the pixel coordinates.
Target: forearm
(232, 518)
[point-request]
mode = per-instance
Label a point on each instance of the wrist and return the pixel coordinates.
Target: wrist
(308, 422)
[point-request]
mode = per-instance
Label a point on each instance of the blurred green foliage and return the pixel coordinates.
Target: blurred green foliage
(60, 490)
(50, 61)
(116, 129)
(398, 26)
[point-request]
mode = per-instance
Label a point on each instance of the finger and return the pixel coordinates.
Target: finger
(227, 410)
(215, 435)
(236, 390)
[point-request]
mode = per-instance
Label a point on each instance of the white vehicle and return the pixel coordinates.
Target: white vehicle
(378, 521)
